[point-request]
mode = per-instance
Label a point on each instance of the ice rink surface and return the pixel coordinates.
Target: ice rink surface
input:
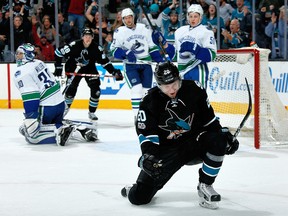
(85, 179)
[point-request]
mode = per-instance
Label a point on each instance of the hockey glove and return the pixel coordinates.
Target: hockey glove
(158, 37)
(117, 74)
(131, 56)
(232, 143)
(189, 47)
(151, 165)
(58, 70)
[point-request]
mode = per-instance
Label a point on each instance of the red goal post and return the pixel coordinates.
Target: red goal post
(227, 91)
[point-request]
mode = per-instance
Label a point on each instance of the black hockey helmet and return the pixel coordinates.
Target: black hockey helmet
(87, 31)
(166, 73)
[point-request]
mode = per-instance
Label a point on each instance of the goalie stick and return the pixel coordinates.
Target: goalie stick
(167, 58)
(247, 113)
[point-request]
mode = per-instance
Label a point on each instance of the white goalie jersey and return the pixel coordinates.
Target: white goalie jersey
(36, 82)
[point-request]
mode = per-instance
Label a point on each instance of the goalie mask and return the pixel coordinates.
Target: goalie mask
(166, 73)
(24, 54)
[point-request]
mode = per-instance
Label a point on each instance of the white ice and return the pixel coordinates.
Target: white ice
(85, 179)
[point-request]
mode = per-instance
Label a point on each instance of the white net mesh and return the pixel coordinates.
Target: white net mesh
(228, 95)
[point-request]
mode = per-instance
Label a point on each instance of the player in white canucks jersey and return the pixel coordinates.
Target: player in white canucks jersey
(42, 100)
(131, 43)
(195, 45)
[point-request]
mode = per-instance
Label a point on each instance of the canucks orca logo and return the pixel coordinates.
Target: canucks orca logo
(82, 59)
(177, 126)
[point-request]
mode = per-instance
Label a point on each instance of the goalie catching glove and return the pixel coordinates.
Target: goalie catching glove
(232, 142)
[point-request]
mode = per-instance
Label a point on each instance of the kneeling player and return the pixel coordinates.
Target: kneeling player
(42, 100)
(176, 125)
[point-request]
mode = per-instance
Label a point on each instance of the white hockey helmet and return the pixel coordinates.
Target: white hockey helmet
(127, 12)
(27, 50)
(195, 8)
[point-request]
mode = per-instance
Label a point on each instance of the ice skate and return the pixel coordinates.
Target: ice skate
(125, 190)
(208, 197)
(92, 116)
(88, 134)
(63, 134)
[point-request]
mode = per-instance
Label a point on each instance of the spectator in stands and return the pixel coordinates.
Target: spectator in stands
(117, 22)
(238, 12)
(94, 23)
(48, 30)
(235, 38)
(46, 48)
(65, 35)
(155, 17)
(38, 53)
(225, 12)
(210, 20)
(170, 20)
(246, 22)
(272, 31)
(21, 35)
(76, 14)
(281, 26)
(49, 10)
(261, 39)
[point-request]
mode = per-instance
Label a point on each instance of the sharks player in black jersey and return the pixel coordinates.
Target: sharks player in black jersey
(84, 52)
(176, 125)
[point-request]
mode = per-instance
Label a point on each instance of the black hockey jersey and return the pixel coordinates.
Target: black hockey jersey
(165, 121)
(75, 53)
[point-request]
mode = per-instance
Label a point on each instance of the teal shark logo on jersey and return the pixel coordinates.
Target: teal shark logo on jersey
(177, 126)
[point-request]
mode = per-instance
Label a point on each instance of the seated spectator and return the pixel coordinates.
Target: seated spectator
(272, 31)
(47, 48)
(235, 38)
(171, 22)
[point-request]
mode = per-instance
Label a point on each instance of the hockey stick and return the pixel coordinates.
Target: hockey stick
(88, 75)
(167, 58)
(69, 81)
(247, 113)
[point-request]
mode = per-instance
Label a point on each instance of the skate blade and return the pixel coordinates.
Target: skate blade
(206, 204)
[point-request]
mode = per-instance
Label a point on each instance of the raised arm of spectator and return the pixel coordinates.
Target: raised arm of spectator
(88, 12)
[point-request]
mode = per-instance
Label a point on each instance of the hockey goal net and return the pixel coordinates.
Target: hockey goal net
(268, 122)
